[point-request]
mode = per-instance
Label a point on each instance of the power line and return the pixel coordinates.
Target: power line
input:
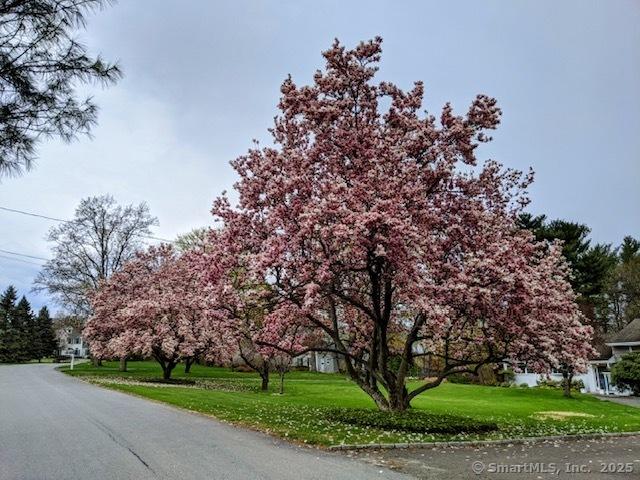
(23, 255)
(20, 260)
(34, 215)
(46, 217)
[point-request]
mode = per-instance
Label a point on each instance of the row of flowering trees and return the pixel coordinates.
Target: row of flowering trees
(174, 308)
(368, 230)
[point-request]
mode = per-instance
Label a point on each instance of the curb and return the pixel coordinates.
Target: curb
(482, 443)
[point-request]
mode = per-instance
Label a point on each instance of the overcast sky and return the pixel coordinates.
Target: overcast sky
(202, 79)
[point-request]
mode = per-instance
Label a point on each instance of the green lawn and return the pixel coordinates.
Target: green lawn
(301, 414)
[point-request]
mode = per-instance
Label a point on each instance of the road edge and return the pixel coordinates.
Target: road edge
(484, 443)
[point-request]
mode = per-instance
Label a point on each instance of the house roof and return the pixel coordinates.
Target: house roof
(629, 334)
(603, 352)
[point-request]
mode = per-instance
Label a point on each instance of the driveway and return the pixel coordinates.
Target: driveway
(53, 426)
(609, 458)
(629, 401)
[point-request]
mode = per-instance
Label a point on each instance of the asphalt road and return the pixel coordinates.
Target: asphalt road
(53, 426)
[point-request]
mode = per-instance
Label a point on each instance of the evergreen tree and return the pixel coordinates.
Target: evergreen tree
(7, 302)
(23, 336)
(623, 286)
(47, 343)
(24, 327)
(7, 310)
(591, 266)
(629, 250)
(43, 68)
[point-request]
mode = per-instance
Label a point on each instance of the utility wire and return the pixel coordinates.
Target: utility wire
(20, 260)
(33, 214)
(23, 255)
(37, 215)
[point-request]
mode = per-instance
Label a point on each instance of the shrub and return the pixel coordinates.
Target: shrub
(507, 375)
(410, 421)
(242, 368)
(172, 381)
(548, 383)
(626, 373)
(486, 376)
(459, 378)
(577, 385)
(220, 384)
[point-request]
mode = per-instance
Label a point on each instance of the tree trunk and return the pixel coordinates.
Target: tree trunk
(399, 400)
(312, 362)
(282, 382)
(96, 362)
(123, 364)
(264, 375)
(566, 384)
(167, 368)
(187, 364)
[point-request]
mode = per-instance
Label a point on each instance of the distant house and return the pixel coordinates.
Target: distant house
(597, 379)
(323, 362)
(532, 379)
(70, 341)
(625, 341)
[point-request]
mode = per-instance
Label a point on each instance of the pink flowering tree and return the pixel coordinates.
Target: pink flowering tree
(375, 227)
(242, 302)
(565, 348)
(153, 307)
(570, 353)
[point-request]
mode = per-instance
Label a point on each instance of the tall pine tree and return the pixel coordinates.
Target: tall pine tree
(7, 333)
(23, 336)
(46, 341)
(623, 286)
(24, 326)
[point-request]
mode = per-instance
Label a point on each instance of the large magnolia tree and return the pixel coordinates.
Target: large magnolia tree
(374, 227)
(153, 307)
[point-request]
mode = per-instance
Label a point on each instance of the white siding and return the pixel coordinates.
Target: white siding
(588, 379)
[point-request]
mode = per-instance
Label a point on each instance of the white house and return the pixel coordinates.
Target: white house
(597, 379)
(625, 341)
(70, 341)
(324, 362)
(532, 378)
